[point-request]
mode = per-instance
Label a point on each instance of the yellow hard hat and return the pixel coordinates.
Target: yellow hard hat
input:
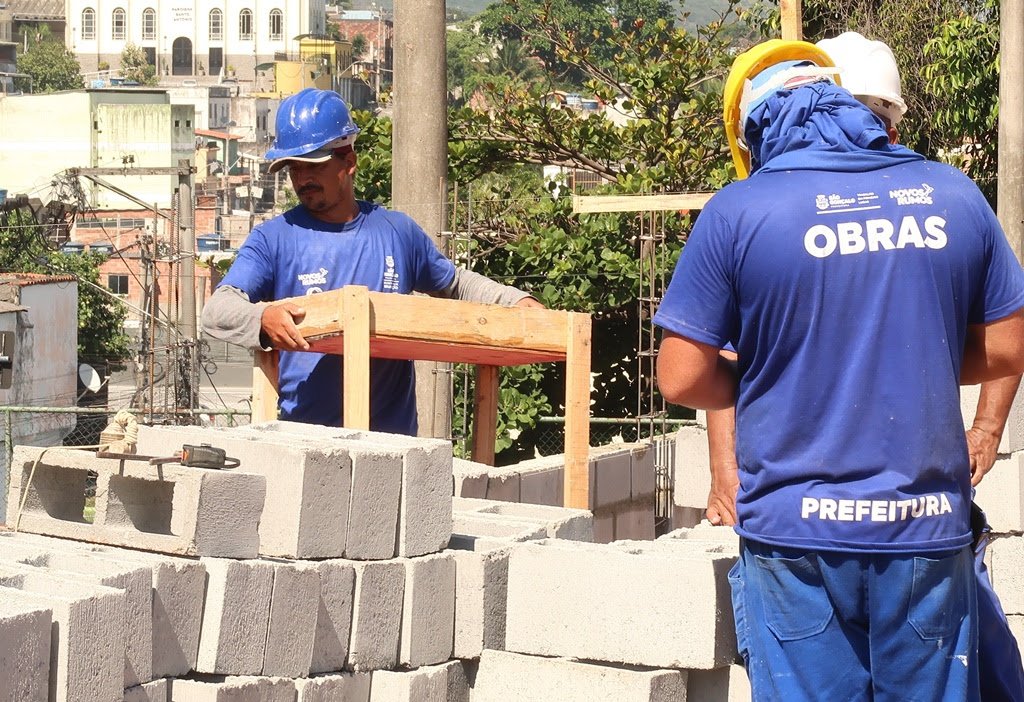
(789, 58)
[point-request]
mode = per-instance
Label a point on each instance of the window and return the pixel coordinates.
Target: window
(117, 28)
(149, 23)
(150, 52)
(245, 25)
(216, 25)
(276, 25)
(216, 60)
(88, 23)
(118, 283)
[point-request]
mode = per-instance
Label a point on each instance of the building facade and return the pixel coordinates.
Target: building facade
(228, 38)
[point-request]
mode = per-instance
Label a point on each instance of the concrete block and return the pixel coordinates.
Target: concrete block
(469, 479)
(236, 616)
(481, 589)
(178, 591)
(643, 471)
(305, 514)
(294, 606)
(424, 520)
(558, 522)
(692, 469)
(506, 676)
(334, 615)
(705, 532)
(485, 532)
(153, 691)
(170, 509)
(602, 595)
(604, 525)
(135, 580)
(729, 684)
(542, 487)
(425, 684)
(25, 653)
(377, 614)
(503, 484)
(232, 688)
(87, 653)
(1007, 572)
(428, 612)
(1013, 432)
(1001, 494)
(612, 478)
(460, 680)
(635, 520)
(342, 687)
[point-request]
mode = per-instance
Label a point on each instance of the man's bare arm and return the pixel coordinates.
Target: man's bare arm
(725, 475)
(694, 375)
(989, 421)
(994, 350)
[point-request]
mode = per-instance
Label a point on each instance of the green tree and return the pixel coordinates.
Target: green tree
(135, 66)
(24, 248)
(50, 65)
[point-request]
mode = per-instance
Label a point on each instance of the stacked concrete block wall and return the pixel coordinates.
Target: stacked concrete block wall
(622, 487)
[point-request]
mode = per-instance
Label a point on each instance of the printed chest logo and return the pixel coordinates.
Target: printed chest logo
(390, 281)
(313, 281)
(833, 203)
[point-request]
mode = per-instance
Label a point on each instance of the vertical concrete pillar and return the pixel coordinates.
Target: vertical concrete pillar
(1011, 123)
(420, 162)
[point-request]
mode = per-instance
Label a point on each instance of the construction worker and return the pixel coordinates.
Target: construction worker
(867, 69)
(860, 284)
(330, 240)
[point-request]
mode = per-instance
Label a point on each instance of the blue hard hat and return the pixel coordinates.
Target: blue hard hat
(310, 125)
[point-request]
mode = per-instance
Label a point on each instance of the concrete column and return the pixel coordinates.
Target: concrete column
(420, 162)
(1011, 123)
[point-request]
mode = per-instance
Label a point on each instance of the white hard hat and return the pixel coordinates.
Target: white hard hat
(868, 70)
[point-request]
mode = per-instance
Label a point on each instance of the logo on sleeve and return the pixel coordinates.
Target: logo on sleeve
(390, 274)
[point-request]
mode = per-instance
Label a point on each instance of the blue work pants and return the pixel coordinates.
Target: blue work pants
(814, 625)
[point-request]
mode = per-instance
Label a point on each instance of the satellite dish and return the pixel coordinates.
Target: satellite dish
(89, 377)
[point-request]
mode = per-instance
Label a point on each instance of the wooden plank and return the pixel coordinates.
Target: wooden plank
(577, 412)
(792, 19)
(436, 351)
(639, 203)
(355, 315)
(264, 386)
(485, 414)
(427, 319)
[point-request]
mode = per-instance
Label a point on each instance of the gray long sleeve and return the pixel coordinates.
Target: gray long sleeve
(473, 287)
(229, 316)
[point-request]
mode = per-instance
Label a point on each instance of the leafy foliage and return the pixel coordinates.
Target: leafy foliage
(50, 64)
(101, 337)
(134, 66)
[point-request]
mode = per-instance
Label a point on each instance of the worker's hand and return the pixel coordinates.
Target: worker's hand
(725, 483)
(278, 323)
(981, 447)
(530, 302)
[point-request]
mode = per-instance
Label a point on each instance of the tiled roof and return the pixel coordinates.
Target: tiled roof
(23, 279)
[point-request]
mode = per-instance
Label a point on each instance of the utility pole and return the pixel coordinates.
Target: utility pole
(420, 163)
(1010, 190)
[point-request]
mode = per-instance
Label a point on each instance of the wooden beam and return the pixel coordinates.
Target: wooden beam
(485, 414)
(583, 204)
(577, 412)
(264, 386)
(355, 315)
(792, 19)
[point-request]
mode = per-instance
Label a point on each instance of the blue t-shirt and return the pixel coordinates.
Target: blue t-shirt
(847, 296)
(297, 254)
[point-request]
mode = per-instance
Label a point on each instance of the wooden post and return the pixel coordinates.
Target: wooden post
(577, 411)
(356, 323)
(264, 386)
(485, 414)
(792, 19)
